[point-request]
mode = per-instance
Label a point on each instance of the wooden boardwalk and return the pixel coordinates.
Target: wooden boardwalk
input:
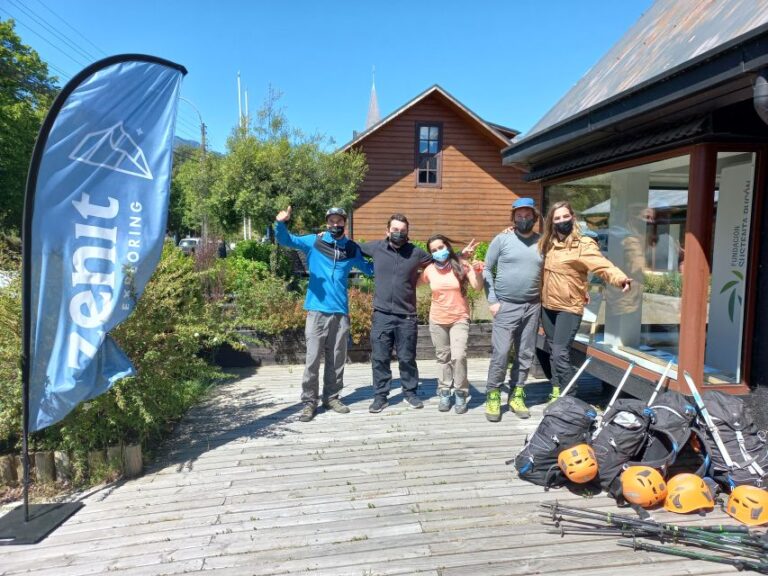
(245, 488)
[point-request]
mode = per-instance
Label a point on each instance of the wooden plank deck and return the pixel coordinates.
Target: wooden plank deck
(245, 488)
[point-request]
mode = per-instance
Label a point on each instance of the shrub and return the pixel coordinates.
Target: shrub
(266, 304)
(423, 303)
(10, 350)
(481, 251)
(360, 314)
(276, 258)
(172, 322)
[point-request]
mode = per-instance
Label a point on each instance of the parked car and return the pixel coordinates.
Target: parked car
(189, 245)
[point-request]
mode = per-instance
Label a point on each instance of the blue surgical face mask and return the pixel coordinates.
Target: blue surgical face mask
(441, 255)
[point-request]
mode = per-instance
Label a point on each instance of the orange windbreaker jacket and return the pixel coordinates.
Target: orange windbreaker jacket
(566, 266)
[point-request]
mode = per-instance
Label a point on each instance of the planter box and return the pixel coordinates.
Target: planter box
(290, 348)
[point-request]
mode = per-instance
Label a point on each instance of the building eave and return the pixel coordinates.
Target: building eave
(727, 64)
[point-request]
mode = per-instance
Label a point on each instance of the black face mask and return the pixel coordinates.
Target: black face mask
(336, 231)
(525, 225)
(398, 238)
(564, 228)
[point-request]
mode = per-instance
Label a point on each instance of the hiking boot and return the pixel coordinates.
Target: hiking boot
(460, 406)
(336, 405)
(413, 401)
(493, 405)
(378, 404)
(554, 395)
(445, 400)
(308, 413)
(517, 403)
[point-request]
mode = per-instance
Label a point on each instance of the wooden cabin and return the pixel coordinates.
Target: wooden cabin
(662, 146)
(438, 163)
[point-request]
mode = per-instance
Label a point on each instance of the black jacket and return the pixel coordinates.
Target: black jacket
(395, 275)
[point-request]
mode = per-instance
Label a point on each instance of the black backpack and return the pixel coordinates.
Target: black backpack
(620, 439)
(669, 432)
(566, 422)
(746, 445)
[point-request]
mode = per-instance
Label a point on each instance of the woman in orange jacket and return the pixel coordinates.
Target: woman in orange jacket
(568, 258)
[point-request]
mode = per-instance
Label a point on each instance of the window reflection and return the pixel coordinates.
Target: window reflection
(637, 216)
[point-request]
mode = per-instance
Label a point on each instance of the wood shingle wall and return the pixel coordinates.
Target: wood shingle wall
(476, 191)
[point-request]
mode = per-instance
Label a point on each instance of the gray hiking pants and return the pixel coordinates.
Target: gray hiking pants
(515, 324)
(326, 336)
(450, 341)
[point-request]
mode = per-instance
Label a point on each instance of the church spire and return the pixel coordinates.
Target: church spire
(373, 105)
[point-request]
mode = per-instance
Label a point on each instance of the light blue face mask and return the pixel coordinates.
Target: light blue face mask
(441, 255)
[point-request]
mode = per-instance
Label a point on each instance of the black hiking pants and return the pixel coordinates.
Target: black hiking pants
(560, 329)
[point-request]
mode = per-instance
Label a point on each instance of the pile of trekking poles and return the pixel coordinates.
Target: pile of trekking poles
(665, 451)
(735, 545)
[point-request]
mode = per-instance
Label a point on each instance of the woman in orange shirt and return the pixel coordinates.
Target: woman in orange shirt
(448, 276)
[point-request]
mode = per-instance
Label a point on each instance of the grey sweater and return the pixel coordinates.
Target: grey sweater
(518, 269)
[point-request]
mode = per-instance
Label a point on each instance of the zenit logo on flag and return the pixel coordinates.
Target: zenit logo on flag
(95, 216)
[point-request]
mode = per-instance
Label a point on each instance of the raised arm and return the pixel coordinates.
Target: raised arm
(362, 264)
(285, 238)
(474, 280)
(591, 257)
(367, 248)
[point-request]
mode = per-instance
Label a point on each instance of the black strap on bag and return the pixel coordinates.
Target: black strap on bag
(670, 431)
(620, 440)
(566, 422)
(746, 445)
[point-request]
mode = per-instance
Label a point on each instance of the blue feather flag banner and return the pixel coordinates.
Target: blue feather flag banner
(94, 224)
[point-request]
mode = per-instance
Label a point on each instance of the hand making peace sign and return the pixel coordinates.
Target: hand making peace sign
(469, 250)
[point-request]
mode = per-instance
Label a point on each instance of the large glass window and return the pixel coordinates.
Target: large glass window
(637, 216)
(428, 155)
(734, 198)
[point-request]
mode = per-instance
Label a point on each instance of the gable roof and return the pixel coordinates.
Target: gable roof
(499, 133)
(648, 66)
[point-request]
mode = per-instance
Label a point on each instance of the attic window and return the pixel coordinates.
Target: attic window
(429, 145)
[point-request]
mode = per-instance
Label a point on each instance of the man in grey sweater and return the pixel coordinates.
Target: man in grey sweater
(513, 294)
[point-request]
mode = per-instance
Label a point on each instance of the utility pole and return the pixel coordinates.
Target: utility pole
(203, 167)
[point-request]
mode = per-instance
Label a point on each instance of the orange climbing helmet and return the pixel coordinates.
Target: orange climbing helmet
(686, 493)
(643, 486)
(748, 504)
(578, 463)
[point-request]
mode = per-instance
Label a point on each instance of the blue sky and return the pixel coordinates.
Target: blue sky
(509, 61)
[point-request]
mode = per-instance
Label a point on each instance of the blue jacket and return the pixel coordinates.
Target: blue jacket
(329, 262)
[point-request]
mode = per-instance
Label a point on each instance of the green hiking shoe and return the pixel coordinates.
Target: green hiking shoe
(554, 395)
(493, 405)
(517, 403)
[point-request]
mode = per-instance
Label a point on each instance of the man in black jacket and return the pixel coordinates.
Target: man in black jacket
(396, 263)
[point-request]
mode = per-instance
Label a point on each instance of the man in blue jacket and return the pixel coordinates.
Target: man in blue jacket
(330, 256)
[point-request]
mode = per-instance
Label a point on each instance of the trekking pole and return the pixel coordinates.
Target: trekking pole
(708, 420)
(576, 376)
(734, 534)
(661, 381)
(739, 563)
(710, 543)
(623, 381)
(613, 517)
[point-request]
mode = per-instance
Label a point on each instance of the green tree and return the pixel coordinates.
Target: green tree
(269, 166)
(191, 191)
(26, 93)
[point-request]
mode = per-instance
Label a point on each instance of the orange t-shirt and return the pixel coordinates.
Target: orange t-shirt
(448, 304)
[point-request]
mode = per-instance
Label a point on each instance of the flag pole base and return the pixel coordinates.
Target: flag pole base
(43, 519)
